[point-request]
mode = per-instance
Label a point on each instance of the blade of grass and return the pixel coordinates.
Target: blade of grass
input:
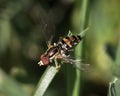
(117, 61)
(116, 70)
(10, 87)
(70, 76)
(83, 14)
(114, 86)
(78, 50)
(45, 81)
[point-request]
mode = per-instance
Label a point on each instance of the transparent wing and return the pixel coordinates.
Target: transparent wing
(49, 34)
(81, 65)
(43, 23)
(77, 63)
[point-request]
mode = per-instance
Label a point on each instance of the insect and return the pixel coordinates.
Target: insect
(58, 50)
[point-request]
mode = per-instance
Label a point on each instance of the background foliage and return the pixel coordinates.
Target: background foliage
(26, 25)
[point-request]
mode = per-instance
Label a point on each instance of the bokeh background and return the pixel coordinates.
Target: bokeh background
(26, 26)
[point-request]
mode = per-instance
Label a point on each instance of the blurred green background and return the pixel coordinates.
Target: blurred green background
(26, 25)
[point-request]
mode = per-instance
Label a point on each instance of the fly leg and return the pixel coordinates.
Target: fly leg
(49, 44)
(56, 64)
(62, 58)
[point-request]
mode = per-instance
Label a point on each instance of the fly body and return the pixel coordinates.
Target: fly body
(68, 43)
(58, 51)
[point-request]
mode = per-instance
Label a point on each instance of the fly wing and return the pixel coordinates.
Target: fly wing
(81, 65)
(43, 22)
(49, 34)
(77, 63)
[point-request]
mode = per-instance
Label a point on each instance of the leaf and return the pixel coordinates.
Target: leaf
(45, 80)
(114, 86)
(78, 50)
(10, 87)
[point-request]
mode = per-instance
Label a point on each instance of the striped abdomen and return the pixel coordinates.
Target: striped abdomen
(69, 42)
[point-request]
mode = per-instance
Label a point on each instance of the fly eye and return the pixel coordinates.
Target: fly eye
(43, 55)
(45, 60)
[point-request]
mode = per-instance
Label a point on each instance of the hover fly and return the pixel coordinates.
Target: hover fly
(58, 50)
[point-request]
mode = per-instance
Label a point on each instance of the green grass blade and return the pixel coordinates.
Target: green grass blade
(10, 87)
(116, 70)
(45, 81)
(83, 14)
(70, 76)
(78, 50)
(114, 86)
(117, 61)
(76, 89)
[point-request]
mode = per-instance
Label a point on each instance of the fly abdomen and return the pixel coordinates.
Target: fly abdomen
(69, 42)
